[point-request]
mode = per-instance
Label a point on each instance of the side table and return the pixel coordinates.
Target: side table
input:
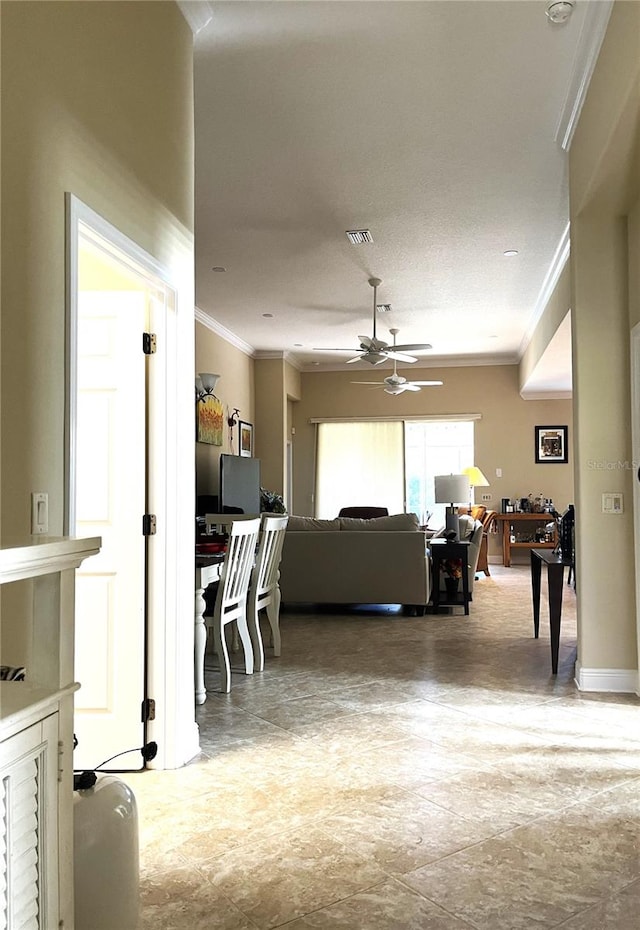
(441, 551)
(555, 573)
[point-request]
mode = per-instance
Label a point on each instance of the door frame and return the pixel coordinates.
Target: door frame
(171, 479)
(635, 452)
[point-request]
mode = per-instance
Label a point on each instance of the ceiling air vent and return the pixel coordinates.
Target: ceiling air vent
(383, 308)
(359, 236)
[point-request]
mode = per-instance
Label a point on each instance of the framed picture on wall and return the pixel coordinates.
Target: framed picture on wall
(552, 444)
(210, 420)
(246, 438)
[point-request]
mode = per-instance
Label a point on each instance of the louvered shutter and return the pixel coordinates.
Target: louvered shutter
(28, 808)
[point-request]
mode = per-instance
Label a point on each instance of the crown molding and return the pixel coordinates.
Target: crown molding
(559, 260)
(590, 40)
(546, 395)
(223, 332)
(286, 356)
(198, 13)
(449, 361)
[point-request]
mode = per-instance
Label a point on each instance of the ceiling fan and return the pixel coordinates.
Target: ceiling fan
(395, 383)
(374, 350)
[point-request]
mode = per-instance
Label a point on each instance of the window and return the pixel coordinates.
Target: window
(389, 464)
(359, 464)
(434, 447)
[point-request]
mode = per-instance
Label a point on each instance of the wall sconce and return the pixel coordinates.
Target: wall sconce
(233, 418)
(205, 385)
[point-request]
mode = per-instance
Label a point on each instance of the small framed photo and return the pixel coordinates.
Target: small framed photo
(246, 438)
(552, 444)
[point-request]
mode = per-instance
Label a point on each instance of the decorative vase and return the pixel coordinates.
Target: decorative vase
(451, 585)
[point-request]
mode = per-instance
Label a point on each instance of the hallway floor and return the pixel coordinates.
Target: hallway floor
(393, 773)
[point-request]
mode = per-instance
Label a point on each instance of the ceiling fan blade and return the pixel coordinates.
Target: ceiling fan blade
(414, 347)
(357, 358)
(399, 357)
(427, 383)
(317, 349)
(410, 386)
(379, 383)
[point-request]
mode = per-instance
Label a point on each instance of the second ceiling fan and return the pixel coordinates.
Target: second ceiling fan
(374, 350)
(395, 383)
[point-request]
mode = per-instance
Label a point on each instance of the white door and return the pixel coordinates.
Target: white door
(110, 502)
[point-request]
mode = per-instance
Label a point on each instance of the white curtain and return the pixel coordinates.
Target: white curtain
(359, 465)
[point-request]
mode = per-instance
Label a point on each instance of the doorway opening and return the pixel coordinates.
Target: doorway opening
(121, 440)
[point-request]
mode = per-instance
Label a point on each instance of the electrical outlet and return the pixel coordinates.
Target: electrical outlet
(486, 498)
(39, 513)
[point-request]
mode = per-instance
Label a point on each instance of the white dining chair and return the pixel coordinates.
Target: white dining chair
(231, 597)
(264, 591)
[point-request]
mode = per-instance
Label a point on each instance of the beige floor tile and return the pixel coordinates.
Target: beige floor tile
(392, 773)
(290, 875)
(389, 906)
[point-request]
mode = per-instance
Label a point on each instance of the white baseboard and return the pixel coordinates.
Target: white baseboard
(620, 680)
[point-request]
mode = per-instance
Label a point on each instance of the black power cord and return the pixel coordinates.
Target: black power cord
(84, 779)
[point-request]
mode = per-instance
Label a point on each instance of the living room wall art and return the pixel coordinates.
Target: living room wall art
(210, 420)
(552, 444)
(246, 438)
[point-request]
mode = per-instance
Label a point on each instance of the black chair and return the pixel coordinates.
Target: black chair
(364, 513)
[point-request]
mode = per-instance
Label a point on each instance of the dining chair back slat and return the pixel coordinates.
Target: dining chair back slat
(264, 591)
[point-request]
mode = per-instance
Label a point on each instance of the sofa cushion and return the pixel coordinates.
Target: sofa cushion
(311, 523)
(397, 521)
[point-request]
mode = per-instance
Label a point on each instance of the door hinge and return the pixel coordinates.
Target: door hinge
(148, 710)
(149, 343)
(149, 524)
(60, 757)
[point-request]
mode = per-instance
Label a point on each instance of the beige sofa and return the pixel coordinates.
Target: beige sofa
(351, 561)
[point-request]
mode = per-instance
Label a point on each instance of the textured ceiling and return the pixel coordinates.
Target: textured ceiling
(432, 124)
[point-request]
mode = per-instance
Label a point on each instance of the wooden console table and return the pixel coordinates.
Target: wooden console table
(532, 520)
(555, 573)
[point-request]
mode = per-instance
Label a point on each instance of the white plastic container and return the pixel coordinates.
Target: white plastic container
(106, 856)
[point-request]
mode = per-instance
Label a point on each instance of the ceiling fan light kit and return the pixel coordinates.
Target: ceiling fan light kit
(374, 350)
(395, 383)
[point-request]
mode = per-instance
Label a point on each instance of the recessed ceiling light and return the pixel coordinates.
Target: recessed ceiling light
(269, 316)
(218, 268)
(510, 253)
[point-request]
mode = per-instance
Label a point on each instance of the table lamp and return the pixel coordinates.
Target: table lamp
(452, 490)
(476, 479)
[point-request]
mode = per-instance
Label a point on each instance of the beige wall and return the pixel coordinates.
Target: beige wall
(97, 99)
(605, 180)
(235, 389)
(504, 434)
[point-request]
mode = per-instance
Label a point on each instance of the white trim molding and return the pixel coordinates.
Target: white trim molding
(618, 680)
(546, 395)
(591, 37)
(223, 332)
(554, 271)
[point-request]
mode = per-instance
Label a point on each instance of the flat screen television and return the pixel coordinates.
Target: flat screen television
(239, 484)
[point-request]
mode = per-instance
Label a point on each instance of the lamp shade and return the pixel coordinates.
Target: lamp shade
(451, 489)
(209, 381)
(475, 476)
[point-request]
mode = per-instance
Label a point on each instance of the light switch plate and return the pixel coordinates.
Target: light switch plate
(485, 498)
(613, 502)
(39, 513)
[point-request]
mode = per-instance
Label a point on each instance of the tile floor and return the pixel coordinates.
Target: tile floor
(393, 773)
